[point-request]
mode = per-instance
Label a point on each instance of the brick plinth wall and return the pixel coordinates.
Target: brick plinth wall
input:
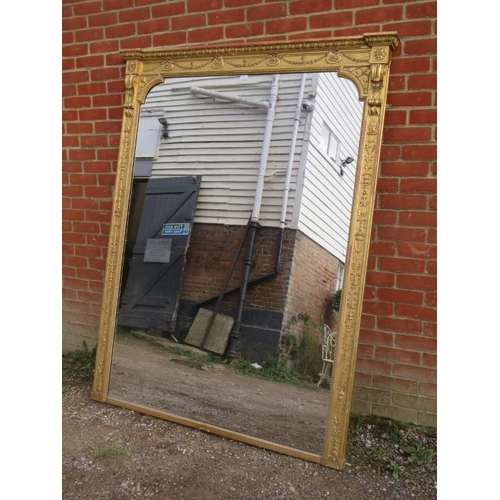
(304, 284)
(211, 252)
(396, 369)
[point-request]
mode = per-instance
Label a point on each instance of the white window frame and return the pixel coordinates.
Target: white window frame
(329, 142)
(339, 282)
(148, 135)
(148, 142)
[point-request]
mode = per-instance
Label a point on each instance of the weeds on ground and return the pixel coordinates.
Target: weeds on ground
(416, 451)
(178, 351)
(112, 450)
(206, 357)
(79, 364)
(243, 367)
(395, 469)
(276, 369)
(309, 359)
(395, 448)
(299, 352)
(181, 335)
(271, 369)
(85, 357)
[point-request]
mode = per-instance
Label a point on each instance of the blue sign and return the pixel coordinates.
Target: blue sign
(179, 229)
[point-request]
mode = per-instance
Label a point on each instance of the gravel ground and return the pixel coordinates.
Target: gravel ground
(112, 453)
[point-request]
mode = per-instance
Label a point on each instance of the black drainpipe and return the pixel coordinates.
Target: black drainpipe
(278, 253)
(277, 269)
(234, 338)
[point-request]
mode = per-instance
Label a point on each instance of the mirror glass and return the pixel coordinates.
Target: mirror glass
(236, 246)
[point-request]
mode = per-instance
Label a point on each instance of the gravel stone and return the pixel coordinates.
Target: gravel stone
(117, 454)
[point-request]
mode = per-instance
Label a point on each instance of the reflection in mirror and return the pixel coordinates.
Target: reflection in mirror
(235, 251)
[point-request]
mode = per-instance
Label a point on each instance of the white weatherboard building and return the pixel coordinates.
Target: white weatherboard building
(222, 140)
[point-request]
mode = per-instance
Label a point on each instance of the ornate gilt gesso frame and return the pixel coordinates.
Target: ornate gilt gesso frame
(363, 59)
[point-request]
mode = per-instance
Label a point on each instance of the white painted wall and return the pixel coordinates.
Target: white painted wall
(324, 206)
(222, 142)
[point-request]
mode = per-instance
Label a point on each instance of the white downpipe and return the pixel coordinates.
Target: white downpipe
(228, 97)
(265, 148)
(296, 124)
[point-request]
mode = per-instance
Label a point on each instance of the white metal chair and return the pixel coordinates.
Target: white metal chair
(327, 351)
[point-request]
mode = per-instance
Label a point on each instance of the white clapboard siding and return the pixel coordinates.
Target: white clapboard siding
(222, 141)
(326, 199)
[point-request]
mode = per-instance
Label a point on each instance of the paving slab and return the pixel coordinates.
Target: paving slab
(219, 333)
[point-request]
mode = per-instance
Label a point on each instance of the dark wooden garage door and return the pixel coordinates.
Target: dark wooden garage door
(153, 285)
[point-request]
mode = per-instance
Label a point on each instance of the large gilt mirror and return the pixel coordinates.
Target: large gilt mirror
(239, 238)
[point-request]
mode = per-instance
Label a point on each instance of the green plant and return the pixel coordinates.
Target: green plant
(417, 451)
(378, 451)
(178, 351)
(242, 366)
(276, 369)
(300, 317)
(112, 450)
(288, 345)
(309, 359)
(272, 368)
(210, 357)
(337, 297)
(395, 469)
(301, 351)
(84, 359)
(390, 428)
(184, 330)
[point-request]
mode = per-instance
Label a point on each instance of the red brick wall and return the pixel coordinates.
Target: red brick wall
(305, 283)
(312, 283)
(211, 253)
(396, 370)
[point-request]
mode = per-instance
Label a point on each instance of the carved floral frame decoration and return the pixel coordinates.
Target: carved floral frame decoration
(363, 59)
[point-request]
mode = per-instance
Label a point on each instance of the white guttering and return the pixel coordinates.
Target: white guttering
(273, 97)
(304, 160)
(296, 124)
(232, 98)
